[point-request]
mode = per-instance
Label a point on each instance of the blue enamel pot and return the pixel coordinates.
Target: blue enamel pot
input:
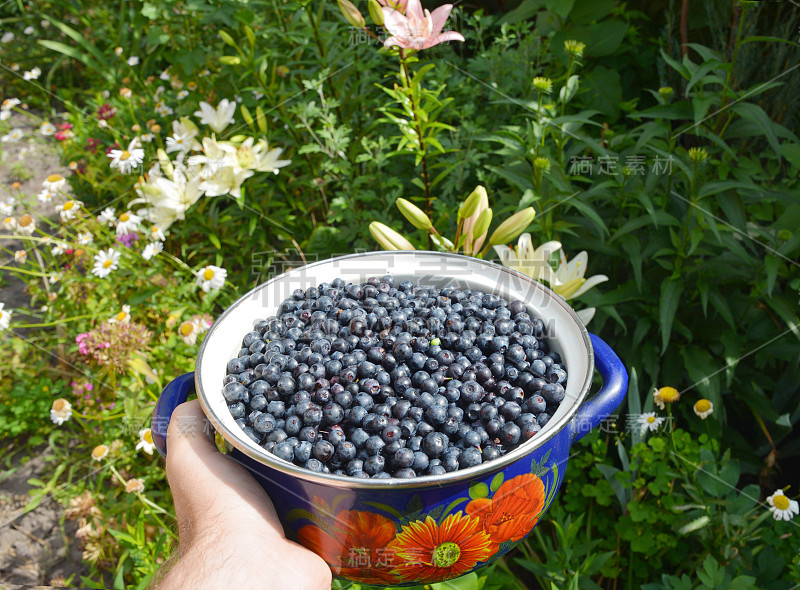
(426, 529)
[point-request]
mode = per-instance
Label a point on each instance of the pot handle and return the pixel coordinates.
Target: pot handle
(174, 394)
(611, 394)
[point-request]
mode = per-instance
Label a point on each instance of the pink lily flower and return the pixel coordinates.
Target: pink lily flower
(398, 5)
(417, 29)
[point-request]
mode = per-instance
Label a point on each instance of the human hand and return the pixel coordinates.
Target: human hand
(230, 535)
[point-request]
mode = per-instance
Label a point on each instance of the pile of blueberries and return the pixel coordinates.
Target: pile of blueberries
(382, 380)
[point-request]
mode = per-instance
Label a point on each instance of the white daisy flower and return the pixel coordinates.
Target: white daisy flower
(26, 224)
(133, 61)
(85, 238)
(156, 233)
(782, 507)
(68, 209)
(5, 115)
(6, 208)
(147, 137)
(29, 30)
(164, 75)
(152, 249)
(121, 317)
(32, 74)
(61, 411)
(118, 51)
(20, 256)
(106, 94)
(649, 421)
(100, 452)
(13, 137)
(204, 72)
(7, 37)
(105, 261)
(163, 109)
(211, 277)
(182, 94)
(127, 160)
(128, 222)
(258, 95)
(9, 223)
(45, 196)
(5, 317)
(54, 183)
(146, 441)
(216, 118)
(59, 248)
(180, 142)
(188, 332)
(44, 23)
(53, 279)
(47, 128)
(134, 486)
(107, 216)
(703, 408)
(9, 104)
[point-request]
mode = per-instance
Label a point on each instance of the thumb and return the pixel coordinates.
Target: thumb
(207, 486)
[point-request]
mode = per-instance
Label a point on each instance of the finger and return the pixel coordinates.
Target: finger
(208, 486)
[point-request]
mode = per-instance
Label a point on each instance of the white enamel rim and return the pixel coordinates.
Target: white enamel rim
(223, 341)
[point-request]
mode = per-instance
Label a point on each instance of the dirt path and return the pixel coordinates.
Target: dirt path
(35, 548)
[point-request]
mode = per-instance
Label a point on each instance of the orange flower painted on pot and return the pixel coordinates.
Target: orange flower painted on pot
(426, 552)
(512, 512)
(355, 547)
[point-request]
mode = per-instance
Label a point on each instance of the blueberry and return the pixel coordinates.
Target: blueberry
(302, 452)
(374, 445)
(435, 444)
(472, 392)
(403, 458)
(345, 451)
(323, 450)
(233, 392)
(264, 423)
(470, 457)
(374, 465)
(284, 451)
(314, 465)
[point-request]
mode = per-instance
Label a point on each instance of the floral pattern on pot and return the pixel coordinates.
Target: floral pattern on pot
(415, 547)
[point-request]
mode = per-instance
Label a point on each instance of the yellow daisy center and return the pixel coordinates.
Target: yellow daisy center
(651, 419)
(702, 405)
(148, 436)
(68, 205)
(179, 140)
(60, 404)
(446, 555)
(1, 314)
(54, 178)
(8, 220)
(208, 274)
(186, 328)
(107, 263)
(669, 394)
(781, 502)
(121, 316)
(25, 220)
(125, 155)
(99, 451)
(124, 217)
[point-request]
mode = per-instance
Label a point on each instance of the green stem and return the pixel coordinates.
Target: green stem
(55, 322)
(420, 138)
(25, 272)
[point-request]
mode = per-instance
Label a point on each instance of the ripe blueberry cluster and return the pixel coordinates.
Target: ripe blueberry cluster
(383, 380)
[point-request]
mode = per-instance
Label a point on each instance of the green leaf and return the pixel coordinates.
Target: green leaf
(671, 290)
(754, 113)
(605, 88)
(468, 582)
(478, 490)
(497, 481)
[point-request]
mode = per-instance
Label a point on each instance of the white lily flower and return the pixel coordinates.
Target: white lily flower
(216, 156)
(569, 279)
(216, 118)
(529, 261)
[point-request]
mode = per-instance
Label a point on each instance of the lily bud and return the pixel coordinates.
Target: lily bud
(166, 164)
(189, 124)
(482, 223)
(248, 118)
(376, 12)
(351, 13)
(470, 204)
(227, 38)
(261, 119)
(512, 227)
(230, 60)
(414, 214)
(388, 238)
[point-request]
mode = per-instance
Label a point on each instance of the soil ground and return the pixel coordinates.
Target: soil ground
(36, 549)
